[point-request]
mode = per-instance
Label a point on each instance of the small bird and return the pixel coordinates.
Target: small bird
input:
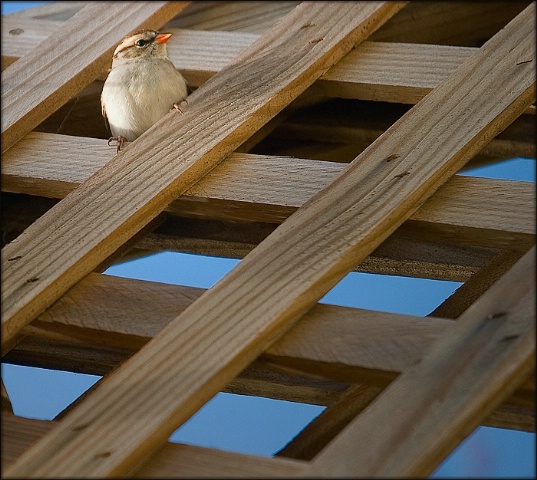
(143, 85)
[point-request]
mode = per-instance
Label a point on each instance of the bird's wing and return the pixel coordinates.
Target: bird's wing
(103, 111)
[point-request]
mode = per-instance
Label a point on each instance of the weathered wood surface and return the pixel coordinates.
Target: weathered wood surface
(173, 461)
(481, 359)
(241, 106)
(379, 71)
(442, 23)
(224, 112)
(114, 317)
(53, 71)
(337, 423)
(400, 254)
(259, 188)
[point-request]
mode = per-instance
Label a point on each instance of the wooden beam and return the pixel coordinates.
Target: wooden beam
(442, 23)
(378, 71)
(450, 23)
(343, 344)
(258, 188)
(472, 289)
(6, 402)
(481, 359)
(310, 441)
(177, 145)
(53, 71)
(219, 116)
(173, 461)
(233, 16)
(121, 313)
(404, 255)
(228, 326)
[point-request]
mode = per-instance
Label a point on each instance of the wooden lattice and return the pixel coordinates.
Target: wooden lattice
(399, 97)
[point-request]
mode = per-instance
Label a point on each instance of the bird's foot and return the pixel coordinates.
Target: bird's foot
(177, 106)
(120, 142)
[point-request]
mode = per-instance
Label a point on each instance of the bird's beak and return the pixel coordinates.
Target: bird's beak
(163, 37)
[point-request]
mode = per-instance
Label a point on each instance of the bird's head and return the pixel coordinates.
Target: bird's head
(142, 43)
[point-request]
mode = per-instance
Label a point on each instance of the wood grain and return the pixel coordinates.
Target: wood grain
(220, 116)
(404, 255)
(484, 356)
(378, 71)
(114, 317)
(463, 298)
(183, 148)
(173, 461)
(108, 311)
(282, 278)
(258, 188)
(45, 78)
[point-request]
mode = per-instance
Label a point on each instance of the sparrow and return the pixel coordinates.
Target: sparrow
(143, 85)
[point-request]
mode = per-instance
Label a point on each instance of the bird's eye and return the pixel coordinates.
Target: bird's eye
(141, 43)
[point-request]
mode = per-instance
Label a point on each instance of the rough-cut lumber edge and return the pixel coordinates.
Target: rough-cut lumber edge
(479, 283)
(113, 317)
(379, 71)
(310, 441)
(105, 442)
(256, 188)
(47, 77)
(182, 147)
(228, 326)
(173, 461)
(6, 402)
(481, 359)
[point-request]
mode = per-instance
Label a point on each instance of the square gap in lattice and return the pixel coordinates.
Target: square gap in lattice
(390, 293)
(246, 424)
(43, 393)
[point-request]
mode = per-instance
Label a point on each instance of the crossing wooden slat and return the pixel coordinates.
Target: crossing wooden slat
(182, 147)
(53, 71)
(268, 189)
(176, 149)
(123, 313)
(450, 23)
(310, 441)
(380, 71)
(471, 290)
(401, 254)
(115, 317)
(120, 425)
(480, 360)
(173, 461)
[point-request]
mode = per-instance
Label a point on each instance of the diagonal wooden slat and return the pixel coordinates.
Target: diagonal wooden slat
(234, 321)
(44, 79)
(330, 422)
(183, 147)
(219, 116)
(484, 356)
(115, 317)
(470, 291)
(173, 461)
